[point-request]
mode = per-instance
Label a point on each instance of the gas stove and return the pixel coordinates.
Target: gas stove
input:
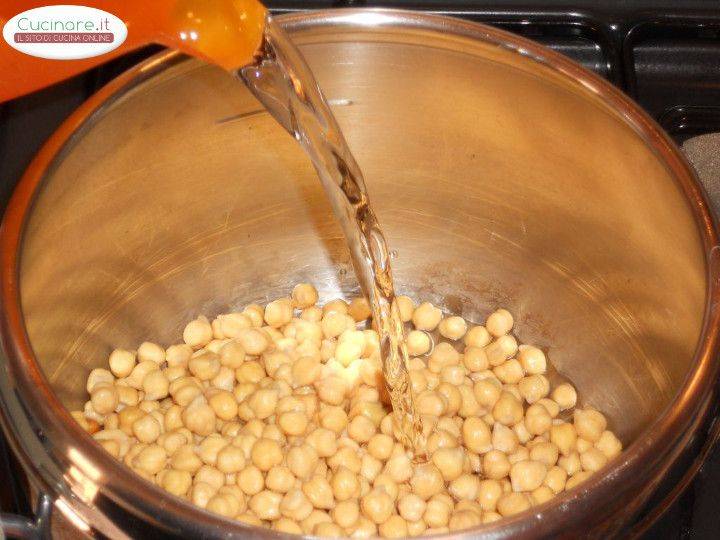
(665, 54)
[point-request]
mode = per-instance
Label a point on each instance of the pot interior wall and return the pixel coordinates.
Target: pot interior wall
(498, 182)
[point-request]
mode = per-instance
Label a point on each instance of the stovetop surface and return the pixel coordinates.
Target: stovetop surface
(665, 54)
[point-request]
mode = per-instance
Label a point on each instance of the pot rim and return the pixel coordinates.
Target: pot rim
(29, 388)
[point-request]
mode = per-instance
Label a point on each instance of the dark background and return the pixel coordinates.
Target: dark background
(665, 54)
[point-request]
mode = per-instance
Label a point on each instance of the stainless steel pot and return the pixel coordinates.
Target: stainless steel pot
(503, 173)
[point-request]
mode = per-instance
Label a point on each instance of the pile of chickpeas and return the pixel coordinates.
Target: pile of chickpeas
(277, 416)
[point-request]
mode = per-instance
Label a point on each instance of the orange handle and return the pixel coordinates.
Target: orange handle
(224, 32)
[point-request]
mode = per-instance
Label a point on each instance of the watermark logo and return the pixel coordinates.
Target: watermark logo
(64, 32)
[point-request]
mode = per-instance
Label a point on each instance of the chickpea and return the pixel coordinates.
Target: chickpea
(465, 487)
(232, 324)
(453, 328)
(593, 460)
(361, 429)
(500, 350)
(359, 309)
(513, 503)
(304, 295)
(185, 459)
(253, 341)
(487, 393)
(333, 418)
(426, 317)
(331, 389)
(155, 385)
(295, 505)
(319, 492)
(490, 517)
(443, 354)
(350, 347)
(280, 479)
(399, 468)
(266, 504)
(250, 480)
(293, 423)
(199, 418)
(346, 513)
(121, 363)
(545, 452)
(555, 479)
(477, 337)
(589, 424)
(210, 475)
(464, 519)
(265, 454)
(509, 372)
(394, 527)
(198, 333)
(583, 445)
(146, 428)
(527, 475)
(370, 467)
(306, 370)
(263, 403)
(609, 444)
(151, 352)
(489, 492)
(532, 359)
(345, 484)
(230, 459)
(302, 460)
(426, 481)
(104, 398)
(201, 493)
(475, 359)
(279, 312)
(224, 405)
(178, 355)
(495, 465)
(311, 524)
(453, 375)
(542, 495)
(333, 324)
(577, 479)
(504, 439)
(537, 420)
(437, 513)
(508, 410)
(377, 506)
(89, 425)
(571, 463)
(564, 437)
(250, 372)
(552, 408)
(411, 507)
(449, 462)
(98, 376)
(430, 403)
(151, 459)
(185, 390)
(286, 525)
(328, 530)
(499, 323)
(452, 398)
(476, 435)
(418, 342)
